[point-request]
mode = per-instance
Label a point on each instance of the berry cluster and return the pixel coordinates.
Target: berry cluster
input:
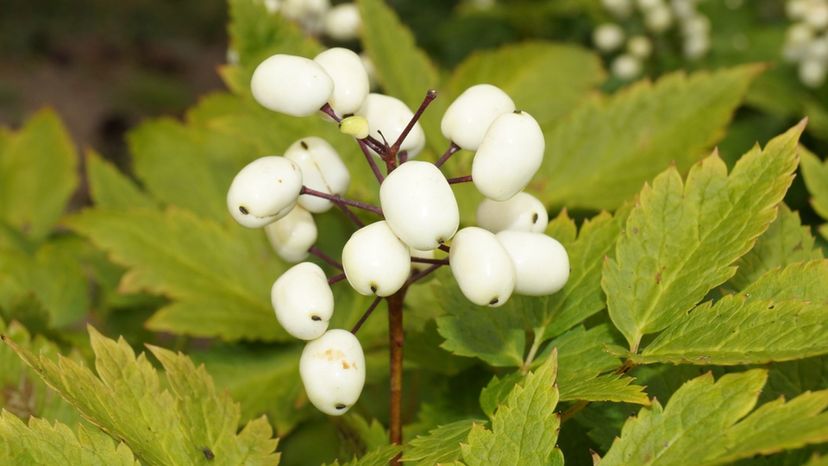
(632, 37)
(418, 213)
(806, 43)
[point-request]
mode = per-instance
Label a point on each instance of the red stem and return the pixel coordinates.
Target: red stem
(328, 110)
(425, 260)
(452, 149)
(422, 274)
(320, 254)
(396, 338)
(429, 97)
(366, 314)
(460, 179)
(336, 278)
(341, 200)
(371, 161)
(444, 248)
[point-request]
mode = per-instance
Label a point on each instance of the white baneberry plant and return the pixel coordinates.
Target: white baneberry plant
(639, 26)
(416, 227)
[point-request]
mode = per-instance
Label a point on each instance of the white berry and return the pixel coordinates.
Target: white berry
(509, 156)
(626, 67)
(332, 368)
(264, 191)
(658, 19)
(472, 112)
(812, 73)
(390, 116)
(541, 262)
(349, 77)
(608, 37)
(292, 235)
(419, 205)
(817, 15)
(640, 47)
(303, 301)
(376, 262)
(343, 22)
(322, 170)
(482, 267)
(292, 85)
(523, 212)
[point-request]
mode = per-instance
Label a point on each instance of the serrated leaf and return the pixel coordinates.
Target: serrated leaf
(219, 280)
(585, 371)
(405, 71)
(188, 166)
(545, 79)
(37, 174)
(776, 319)
(602, 153)
(21, 390)
(263, 382)
(440, 445)
(525, 428)
(785, 242)
(43, 443)
(681, 239)
(378, 457)
(690, 425)
(778, 426)
(791, 378)
(187, 424)
(112, 189)
(497, 335)
(815, 173)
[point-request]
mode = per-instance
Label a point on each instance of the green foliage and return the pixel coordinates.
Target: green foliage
(525, 427)
(43, 443)
(681, 239)
(222, 293)
(709, 421)
(188, 422)
(815, 173)
(606, 149)
(705, 267)
(441, 445)
(37, 175)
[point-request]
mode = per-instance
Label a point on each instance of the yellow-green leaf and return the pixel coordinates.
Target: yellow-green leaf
(681, 239)
(602, 153)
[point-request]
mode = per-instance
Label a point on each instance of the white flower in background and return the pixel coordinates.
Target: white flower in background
(662, 20)
(806, 40)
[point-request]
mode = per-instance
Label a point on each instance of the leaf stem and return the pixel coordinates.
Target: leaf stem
(366, 314)
(348, 213)
(533, 351)
(328, 259)
(336, 199)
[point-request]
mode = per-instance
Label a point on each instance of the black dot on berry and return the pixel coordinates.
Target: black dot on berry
(493, 301)
(243, 210)
(315, 318)
(518, 112)
(535, 217)
(373, 288)
(304, 145)
(341, 406)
